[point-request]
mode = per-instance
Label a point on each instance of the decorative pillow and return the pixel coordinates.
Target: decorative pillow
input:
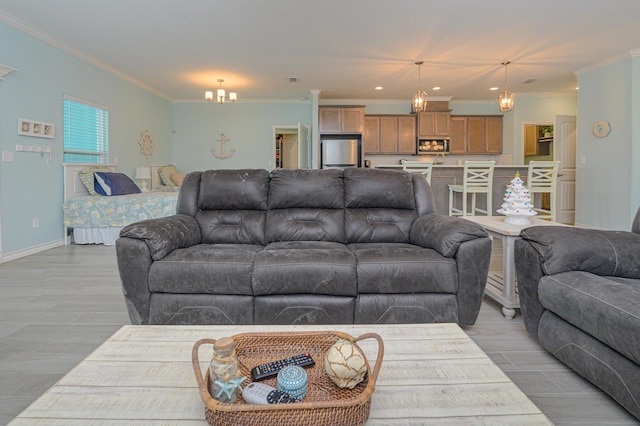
(177, 178)
(165, 174)
(115, 184)
(87, 178)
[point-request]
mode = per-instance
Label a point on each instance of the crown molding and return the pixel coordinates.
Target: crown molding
(379, 101)
(5, 70)
(244, 101)
(47, 38)
(633, 53)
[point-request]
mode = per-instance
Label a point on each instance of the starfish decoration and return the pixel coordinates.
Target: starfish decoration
(229, 387)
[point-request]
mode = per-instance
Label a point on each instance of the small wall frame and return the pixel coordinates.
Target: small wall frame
(36, 128)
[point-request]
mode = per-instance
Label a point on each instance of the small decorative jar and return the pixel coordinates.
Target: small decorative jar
(224, 373)
(293, 380)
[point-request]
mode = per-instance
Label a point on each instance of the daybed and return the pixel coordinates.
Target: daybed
(97, 219)
(303, 246)
(580, 297)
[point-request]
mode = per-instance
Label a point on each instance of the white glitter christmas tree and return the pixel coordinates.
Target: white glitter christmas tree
(517, 206)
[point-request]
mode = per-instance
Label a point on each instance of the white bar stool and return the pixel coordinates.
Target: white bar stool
(478, 179)
(542, 177)
(423, 167)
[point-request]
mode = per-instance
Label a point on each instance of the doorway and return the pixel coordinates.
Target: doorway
(556, 141)
(291, 147)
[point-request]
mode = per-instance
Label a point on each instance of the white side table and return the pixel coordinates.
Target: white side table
(503, 290)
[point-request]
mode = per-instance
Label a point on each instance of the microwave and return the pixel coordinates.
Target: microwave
(433, 146)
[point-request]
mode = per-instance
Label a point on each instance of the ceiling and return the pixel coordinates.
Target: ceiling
(344, 48)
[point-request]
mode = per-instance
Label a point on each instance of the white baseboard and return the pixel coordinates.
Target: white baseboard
(7, 257)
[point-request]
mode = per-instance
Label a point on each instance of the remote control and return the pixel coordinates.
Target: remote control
(271, 369)
(259, 393)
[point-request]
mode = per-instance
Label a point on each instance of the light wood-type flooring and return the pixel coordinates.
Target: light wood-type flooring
(57, 306)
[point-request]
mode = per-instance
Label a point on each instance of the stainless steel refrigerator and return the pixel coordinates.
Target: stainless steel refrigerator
(340, 153)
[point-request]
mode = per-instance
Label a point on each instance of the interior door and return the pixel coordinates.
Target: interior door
(564, 150)
(304, 146)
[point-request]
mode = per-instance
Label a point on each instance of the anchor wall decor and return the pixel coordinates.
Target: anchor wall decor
(223, 153)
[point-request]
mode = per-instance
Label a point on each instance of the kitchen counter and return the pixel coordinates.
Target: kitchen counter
(461, 166)
(443, 175)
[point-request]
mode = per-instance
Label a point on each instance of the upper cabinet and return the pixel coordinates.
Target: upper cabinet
(476, 134)
(433, 124)
(341, 119)
(389, 134)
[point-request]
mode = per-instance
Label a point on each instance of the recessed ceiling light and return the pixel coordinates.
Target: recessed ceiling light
(529, 80)
(379, 87)
(435, 88)
(493, 88)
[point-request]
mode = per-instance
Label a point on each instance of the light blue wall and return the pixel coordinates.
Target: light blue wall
(607, 184)
(248, 126)
(31, 186)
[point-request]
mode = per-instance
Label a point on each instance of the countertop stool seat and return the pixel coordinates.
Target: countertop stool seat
(477, 179)
(542, 178)
(423, 167)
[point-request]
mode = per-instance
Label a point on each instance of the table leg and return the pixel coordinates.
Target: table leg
(503, 289)
(509, 269)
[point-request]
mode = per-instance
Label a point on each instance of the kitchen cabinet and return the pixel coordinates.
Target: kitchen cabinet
(389, 134)
(341, 119)
(458, 135)
(530, 141)
(433, 124)
(475, 134)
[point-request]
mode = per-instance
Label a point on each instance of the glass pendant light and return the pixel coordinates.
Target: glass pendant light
(420, 98)
(505, 99)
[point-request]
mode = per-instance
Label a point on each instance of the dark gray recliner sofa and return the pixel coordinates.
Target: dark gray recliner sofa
(580, 297)
(303, 246)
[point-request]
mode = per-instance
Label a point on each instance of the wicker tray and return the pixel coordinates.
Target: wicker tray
(325, 403)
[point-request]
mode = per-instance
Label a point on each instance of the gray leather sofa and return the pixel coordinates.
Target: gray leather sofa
(303, 246)
(580, 297)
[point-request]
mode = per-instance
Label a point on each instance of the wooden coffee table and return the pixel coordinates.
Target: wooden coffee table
(431, 373)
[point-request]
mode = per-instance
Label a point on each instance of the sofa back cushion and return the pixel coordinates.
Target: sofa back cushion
(380, 205)
(306, 205)
(229, 205)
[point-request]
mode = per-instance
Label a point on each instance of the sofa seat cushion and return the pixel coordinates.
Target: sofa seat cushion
(205, 269)
(305, 267)
(607, 309)
(395, 268)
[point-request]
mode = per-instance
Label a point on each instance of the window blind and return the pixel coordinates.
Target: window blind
(86, 131)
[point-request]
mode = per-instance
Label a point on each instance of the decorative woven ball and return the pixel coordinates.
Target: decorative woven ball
(345, 364)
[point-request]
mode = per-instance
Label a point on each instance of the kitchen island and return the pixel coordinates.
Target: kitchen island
(444, 175)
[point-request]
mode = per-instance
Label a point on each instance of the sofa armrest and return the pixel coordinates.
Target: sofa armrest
(529, 272)
(444, 233)
(604, 253)
(163, 235)
(134, 263)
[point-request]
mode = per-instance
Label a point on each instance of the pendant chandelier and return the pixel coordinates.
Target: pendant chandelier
(505, 99)
(220, 94)
(420, 98)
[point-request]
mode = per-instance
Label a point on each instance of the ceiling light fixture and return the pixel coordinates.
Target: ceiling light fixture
(220, 94)
(505, 100)
(420, 98)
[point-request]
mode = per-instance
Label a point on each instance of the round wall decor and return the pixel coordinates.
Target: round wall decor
(600, 129)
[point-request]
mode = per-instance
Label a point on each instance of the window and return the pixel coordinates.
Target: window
(86, 131)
